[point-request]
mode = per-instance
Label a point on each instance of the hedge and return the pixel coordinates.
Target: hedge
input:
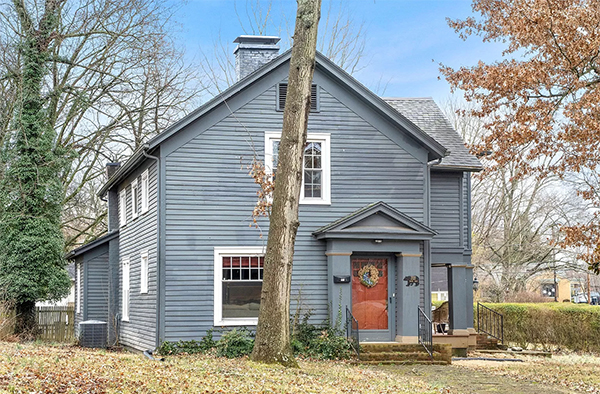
(550, 325)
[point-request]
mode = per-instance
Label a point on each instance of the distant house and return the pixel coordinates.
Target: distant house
(552, 288)
(385, 193)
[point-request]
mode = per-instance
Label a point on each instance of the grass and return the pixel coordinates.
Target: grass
(576, 372)
(39, 368)
(33, 367)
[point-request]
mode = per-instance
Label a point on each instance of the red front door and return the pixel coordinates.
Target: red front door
(369, 300)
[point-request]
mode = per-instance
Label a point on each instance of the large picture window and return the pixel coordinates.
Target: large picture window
(238, 283)
(316, 178)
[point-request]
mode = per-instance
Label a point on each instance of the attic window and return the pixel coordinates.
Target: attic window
(282, 94)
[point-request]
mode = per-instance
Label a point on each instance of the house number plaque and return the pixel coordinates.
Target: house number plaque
(412, 280)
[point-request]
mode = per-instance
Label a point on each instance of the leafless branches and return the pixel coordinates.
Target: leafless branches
(115, 78)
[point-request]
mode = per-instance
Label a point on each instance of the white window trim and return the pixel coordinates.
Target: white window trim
(218, 273)
(79, 289)
(125, 301)
(144, 191)
(144, 272)
(123, 207)
(135, 194)
(325, 139)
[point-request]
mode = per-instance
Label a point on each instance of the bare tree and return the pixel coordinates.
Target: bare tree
(516, 216)
(115, 77)
(272, 344)
(342, 39)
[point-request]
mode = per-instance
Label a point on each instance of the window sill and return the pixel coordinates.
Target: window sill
(315, 202)
(236, 322)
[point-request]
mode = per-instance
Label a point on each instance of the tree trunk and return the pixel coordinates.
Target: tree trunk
(26, 326)
(272, 344)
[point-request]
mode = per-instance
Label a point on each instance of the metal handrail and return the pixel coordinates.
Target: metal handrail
(490, 322)
(425, 332)
(352, 331)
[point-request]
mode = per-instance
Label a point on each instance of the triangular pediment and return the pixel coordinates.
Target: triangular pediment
(376, 220)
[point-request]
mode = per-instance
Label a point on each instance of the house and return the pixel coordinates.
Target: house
(439, 284)
(385, 197)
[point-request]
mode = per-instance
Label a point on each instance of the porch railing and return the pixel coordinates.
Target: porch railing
(425, 332)
(490, 322)
(352, 331)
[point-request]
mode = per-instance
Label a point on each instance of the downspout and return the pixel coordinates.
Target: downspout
(158, 243)
(434, 162)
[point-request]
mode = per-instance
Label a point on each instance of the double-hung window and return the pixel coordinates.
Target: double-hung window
(316, 166)
(125, 290)
(144, 191)
(135, 199)
(123, 207)
(238, 283)
(144, 272)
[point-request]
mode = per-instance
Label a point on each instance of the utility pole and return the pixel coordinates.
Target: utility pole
(589, 298)
(555, 286)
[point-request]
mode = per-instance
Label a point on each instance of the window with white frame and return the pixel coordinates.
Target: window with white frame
(135, 199)
(144, 272)
(144, 191)
(238, 283)
(125, 290)
(79, 289)
(316, 166)
(123, 207)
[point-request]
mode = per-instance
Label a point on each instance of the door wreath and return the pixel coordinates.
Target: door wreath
(369, 275)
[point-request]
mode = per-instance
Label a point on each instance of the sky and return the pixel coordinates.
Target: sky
(405, 40)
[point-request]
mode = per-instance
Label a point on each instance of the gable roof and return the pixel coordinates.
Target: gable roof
(428, 139)
(92, 245)
(390, 224)
(425, 113)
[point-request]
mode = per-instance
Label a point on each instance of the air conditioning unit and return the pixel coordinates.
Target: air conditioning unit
(92, 333)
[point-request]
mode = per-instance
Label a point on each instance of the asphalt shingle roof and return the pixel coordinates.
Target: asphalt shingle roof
(425, 114)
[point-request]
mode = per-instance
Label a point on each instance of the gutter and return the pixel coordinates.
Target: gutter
(136, 158)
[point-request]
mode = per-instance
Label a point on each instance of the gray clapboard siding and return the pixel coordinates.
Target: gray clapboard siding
(446, 210)
(78, 318)
(467, 210)
(96, 288)
(137, 236)
(210, 196)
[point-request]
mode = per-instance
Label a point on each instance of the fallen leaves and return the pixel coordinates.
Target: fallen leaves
(34, 368)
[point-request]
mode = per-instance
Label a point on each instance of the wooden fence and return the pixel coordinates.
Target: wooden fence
(7, 321)
(56, 323)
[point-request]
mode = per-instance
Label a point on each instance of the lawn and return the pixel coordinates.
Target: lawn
(26, 368)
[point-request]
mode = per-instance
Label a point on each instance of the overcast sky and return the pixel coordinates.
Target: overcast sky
(405, 40)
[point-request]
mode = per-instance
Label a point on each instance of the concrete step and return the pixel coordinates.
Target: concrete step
(375, 347)
(535, 353)
(401, 353)
(403, 362)
(399, 356)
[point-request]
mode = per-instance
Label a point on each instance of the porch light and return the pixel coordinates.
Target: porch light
(475, 284)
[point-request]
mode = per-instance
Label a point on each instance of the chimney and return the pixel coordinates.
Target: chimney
(113, 207)
(253, 52)
(111, 168)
